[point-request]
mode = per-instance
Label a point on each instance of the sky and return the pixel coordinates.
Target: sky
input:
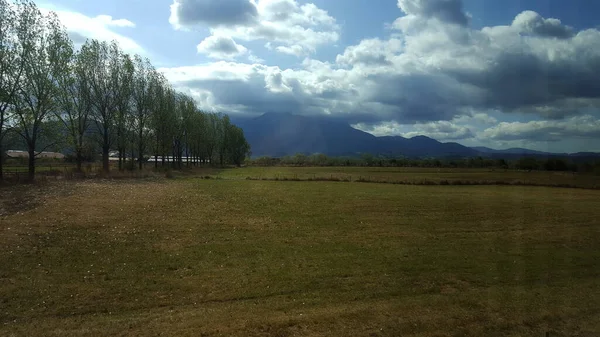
(511, 73)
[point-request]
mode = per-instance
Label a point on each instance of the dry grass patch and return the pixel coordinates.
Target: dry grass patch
(191, 257)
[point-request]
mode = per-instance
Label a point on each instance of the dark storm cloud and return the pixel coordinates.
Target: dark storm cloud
(420, 97)
(517, 81)
(214, 12)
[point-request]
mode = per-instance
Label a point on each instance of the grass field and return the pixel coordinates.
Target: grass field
(236, 257)
(417, 175)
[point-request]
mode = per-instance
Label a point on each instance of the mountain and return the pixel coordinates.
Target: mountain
(280, 134)
(515, 153)
(514, 150)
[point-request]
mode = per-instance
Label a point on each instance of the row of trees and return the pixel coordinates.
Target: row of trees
(523, 163)
(51, 91)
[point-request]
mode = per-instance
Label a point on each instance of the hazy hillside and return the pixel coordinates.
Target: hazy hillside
(275, 134)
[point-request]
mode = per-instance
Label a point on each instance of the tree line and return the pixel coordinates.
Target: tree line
(98, 96)
(584, 165)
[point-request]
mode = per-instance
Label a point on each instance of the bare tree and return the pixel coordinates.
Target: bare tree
(46, 56)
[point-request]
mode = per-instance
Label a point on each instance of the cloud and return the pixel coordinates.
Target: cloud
(440, 130)
(221, 47)
(248, 88)
(585, 126)
(255, 59)
(370, 52)
(108, 21)
(295, 50)
(445, 10)
(530, 22)
(186, 13)
(433, 76)
(288, 26)
(476, 119)
(81, 27)
(512, 71)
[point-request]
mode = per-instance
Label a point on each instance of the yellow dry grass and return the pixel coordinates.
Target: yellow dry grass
(191, 257)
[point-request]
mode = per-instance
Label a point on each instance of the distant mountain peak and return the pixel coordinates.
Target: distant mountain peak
(279, 134)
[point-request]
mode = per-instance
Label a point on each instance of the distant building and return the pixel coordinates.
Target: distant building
(25, 154)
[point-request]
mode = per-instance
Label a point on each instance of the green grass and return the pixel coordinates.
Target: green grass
(38, 168)
(417, 175)
(191, 257)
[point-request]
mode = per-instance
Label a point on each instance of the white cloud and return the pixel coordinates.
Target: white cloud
(440, 130)
(295, 50)
(255, 59)
(585, 126)
(108, 21)
(531, 22)
(81, 27)
(433, 76)
(446, 10)
(292, 28)
(371, 52)
(221, 47)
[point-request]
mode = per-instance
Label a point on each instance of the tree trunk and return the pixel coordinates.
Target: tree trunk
(31, 160)
(180, 155)
(141, 150)
(187, 155)
(132, 163)
(1, 161)
(173, 157)
(141, 156)
(78, 158)
(105, 162)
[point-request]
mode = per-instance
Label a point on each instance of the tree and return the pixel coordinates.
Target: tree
(47, 53)
(108, 76)
(238, 147)
(180, 119)
(46, 86)
(223, 129)
(124, 116)
(211, 136)
(14, 20)
(527, 163)
(75, 103)
(144, 86)
(163, 120)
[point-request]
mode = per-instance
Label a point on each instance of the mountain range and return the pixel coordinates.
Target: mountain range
(281, 134)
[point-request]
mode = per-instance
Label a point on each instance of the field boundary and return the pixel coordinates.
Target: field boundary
(419, 182)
